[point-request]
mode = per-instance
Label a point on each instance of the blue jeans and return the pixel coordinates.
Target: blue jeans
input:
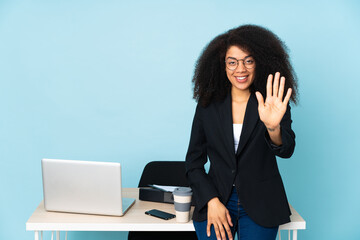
(245, 228)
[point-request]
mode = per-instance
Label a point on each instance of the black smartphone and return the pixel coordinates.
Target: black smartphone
(160, 214)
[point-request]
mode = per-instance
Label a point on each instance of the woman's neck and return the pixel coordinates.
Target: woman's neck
(240, 95)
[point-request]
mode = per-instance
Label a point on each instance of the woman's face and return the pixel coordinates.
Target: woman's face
(243, 65)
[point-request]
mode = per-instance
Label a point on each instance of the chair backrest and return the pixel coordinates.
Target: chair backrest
(169, 173)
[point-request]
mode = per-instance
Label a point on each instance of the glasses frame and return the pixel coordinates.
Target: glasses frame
(237, 63)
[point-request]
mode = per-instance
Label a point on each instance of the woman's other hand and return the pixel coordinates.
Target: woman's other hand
(272, 111)
(219, 216)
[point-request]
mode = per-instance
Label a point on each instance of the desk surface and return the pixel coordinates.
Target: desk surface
(134, 220)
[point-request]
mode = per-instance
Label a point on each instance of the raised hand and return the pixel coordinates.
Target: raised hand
(273, 109)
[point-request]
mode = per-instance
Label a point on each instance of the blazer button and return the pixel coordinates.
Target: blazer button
(233, 171)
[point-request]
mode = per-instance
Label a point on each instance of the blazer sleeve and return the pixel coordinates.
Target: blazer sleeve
(287, 136)
(201, 184)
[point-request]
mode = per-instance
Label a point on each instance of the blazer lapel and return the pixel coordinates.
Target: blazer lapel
(250, 120)
(226, 120)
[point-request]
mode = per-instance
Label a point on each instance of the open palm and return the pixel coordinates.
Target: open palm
(273, 109)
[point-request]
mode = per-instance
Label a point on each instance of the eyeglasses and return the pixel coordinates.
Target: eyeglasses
(232, 63)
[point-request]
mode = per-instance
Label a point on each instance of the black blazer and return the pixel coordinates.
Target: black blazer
(253, 168)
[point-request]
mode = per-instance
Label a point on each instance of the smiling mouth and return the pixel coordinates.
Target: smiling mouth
(241, 79)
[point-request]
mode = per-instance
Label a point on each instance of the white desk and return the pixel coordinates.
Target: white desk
(134, 220)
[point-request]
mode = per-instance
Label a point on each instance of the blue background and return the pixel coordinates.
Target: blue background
(111, 81)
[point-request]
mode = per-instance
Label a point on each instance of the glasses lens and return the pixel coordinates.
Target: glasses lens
(231, 63)
(249, 62)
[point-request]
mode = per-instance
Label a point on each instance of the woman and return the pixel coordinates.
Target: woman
(241, 133)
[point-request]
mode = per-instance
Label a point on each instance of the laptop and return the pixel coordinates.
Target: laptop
(83, 187)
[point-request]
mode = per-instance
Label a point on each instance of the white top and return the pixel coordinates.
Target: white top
(237, 133)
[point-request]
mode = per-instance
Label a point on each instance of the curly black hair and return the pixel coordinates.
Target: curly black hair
(270, 54)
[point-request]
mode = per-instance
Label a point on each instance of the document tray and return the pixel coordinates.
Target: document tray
(157, 195)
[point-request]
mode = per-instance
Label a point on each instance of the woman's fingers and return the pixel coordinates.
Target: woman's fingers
(228, 230)
(281, 88)
(218, 217)
(208, 228)
(222, 231)
(229, 218)
(260, 98)
(219, 229)
(287, 97)
(276, 84)
(275, 89)
(223, 226)
(269, 86)
(217, 232)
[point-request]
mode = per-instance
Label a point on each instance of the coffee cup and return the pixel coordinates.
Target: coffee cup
(182, 202)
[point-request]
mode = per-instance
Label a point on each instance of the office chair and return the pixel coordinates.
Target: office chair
(170, 173)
